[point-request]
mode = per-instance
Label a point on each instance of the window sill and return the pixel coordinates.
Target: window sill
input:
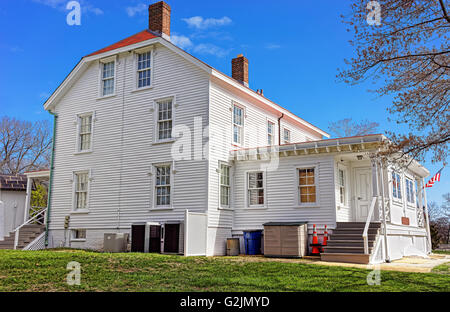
(225, 208)
(77, 240)
(106, 97)
(163, 142)
(256, 207)
(411, 206)
(83, 152)
(142, 89)
(307, 206)
(81, 211)
(161, 208)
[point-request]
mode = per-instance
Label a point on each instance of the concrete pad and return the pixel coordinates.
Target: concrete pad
(406, 264)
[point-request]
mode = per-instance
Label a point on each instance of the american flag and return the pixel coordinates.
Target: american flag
(436, 177)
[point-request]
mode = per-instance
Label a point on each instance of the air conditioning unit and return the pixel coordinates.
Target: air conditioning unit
(115, 242)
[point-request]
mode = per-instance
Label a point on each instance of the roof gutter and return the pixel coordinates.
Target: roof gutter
(49, 199)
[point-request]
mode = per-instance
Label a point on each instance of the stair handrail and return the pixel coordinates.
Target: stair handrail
(366, 227)
(16, 230)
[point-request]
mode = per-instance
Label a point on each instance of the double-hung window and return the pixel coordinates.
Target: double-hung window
(307, 185)
(81, 190)
(287, 136)
(396, 185)
(79, 234)
(225, 185)
(84, 132)
(162, 185)
(164, 119)
(270, 129)
(144, 70)
(342, 194)
(108, 72)
(255, 188)
(410, 191)
(238, 125)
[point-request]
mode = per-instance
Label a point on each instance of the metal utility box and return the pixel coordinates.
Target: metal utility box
(115, 242)
(286, 239)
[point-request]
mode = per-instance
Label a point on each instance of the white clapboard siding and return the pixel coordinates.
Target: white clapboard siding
(255, 135)
(281, 194)
(123, 149)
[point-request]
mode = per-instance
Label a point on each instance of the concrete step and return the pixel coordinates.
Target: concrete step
(349, 243)
(354, 231)
(345, 249)
(357, 225)
(345, 257)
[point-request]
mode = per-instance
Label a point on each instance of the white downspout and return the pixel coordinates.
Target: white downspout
(430, 246)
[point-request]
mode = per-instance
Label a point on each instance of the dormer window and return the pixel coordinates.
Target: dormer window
(144, 69)
(108, 72)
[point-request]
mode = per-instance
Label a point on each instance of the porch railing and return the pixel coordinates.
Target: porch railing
(38, 218)
(366, 228)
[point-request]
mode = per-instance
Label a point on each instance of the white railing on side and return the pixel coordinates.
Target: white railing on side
(366, 228)
(41, 213)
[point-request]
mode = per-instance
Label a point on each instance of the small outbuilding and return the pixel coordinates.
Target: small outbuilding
(286, 239)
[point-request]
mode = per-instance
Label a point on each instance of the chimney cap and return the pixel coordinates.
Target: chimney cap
(240, 55)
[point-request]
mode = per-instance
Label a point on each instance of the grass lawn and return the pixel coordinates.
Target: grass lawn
(442, 252)
(46, 271)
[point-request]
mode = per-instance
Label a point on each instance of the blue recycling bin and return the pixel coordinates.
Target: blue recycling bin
(252, 242)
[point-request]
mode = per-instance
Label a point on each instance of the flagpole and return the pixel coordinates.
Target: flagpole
(427, 218)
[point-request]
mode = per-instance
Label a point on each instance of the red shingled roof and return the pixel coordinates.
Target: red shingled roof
(141, 36)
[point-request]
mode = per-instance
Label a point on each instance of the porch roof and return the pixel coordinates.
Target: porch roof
(348, 144)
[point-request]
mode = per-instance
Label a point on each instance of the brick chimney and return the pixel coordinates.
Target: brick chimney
(159, 19)
(239, 69)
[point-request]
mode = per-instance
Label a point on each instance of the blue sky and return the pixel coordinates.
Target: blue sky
(294, 49)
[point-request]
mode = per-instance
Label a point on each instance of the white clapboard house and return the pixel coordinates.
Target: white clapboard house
(145, 132)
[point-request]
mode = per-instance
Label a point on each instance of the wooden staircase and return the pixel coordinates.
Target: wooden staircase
(346, 244)
(26, 235)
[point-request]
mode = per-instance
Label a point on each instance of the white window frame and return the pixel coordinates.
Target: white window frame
(345, 186)
(284, 137)
(242, 127)
(230, 186)
(412, 203)
(270, 136)
(73, 237)
(171, 185)
(316, 184)
(100, 76)
(77, 122)
(74, 190)
(247, 199)
(136, 70)
(396, 198)
(155, 110)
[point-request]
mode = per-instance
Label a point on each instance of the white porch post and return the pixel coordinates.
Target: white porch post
(383, 203)
(27, 200)
(375, 187)
(427, 217)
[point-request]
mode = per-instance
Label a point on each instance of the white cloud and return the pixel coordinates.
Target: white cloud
(181, 41)
(208, 48)
(44, 95)
(199, 22)
(273, 46)
(138, 9)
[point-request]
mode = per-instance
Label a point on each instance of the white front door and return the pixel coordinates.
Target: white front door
(363, 193)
